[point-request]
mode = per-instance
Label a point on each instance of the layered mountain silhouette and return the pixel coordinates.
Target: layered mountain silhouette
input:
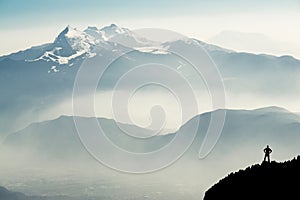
(56, 144)
(265, 181)
(39, 78)
(58, 139)
(244, 131)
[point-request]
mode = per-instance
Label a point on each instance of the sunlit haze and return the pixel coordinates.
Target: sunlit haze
(231, 24)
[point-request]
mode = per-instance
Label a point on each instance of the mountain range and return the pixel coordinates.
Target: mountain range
(55, 145)
(244, 135)
(37, 127)
(36, 80)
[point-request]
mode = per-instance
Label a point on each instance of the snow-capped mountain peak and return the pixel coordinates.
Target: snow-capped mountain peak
(70, 44)
(78, 40)
(73, 32)
(94, 32)
(112, 30)
(124, 36)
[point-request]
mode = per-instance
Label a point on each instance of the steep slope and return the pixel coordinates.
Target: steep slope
(266, 181)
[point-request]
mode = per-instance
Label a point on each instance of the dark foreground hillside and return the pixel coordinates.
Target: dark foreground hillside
(266, 181)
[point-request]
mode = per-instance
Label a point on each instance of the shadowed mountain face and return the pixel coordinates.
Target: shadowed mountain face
(266, 181)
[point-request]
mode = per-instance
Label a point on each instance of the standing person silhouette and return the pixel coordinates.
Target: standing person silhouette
(267, 152)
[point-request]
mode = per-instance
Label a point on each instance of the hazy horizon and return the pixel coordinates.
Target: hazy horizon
(266, 22)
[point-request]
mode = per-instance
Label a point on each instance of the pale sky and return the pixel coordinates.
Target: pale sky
(33, 22)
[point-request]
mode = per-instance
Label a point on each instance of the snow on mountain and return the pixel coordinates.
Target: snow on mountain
(69, 44)
(79, 40)
(113, 30)
(48, 71)
(120, 35)
(194, 43)
(53, 55)
(124, 36)
(153, 50)
(72, 43)
(95, 32)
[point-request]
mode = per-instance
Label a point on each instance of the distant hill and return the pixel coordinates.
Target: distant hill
(244, 132)
(57, 140)
(265, 181)
(54, 144)
(6, 194)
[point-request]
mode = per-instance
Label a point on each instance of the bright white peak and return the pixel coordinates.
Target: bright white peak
(72, 32)
(79, 40)
(113, 30)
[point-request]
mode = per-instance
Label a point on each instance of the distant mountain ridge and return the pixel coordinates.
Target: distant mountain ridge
(55, 144)
(244, 130)
(6, 194)
(266, 181)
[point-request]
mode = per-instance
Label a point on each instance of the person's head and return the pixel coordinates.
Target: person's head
(268, 146)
